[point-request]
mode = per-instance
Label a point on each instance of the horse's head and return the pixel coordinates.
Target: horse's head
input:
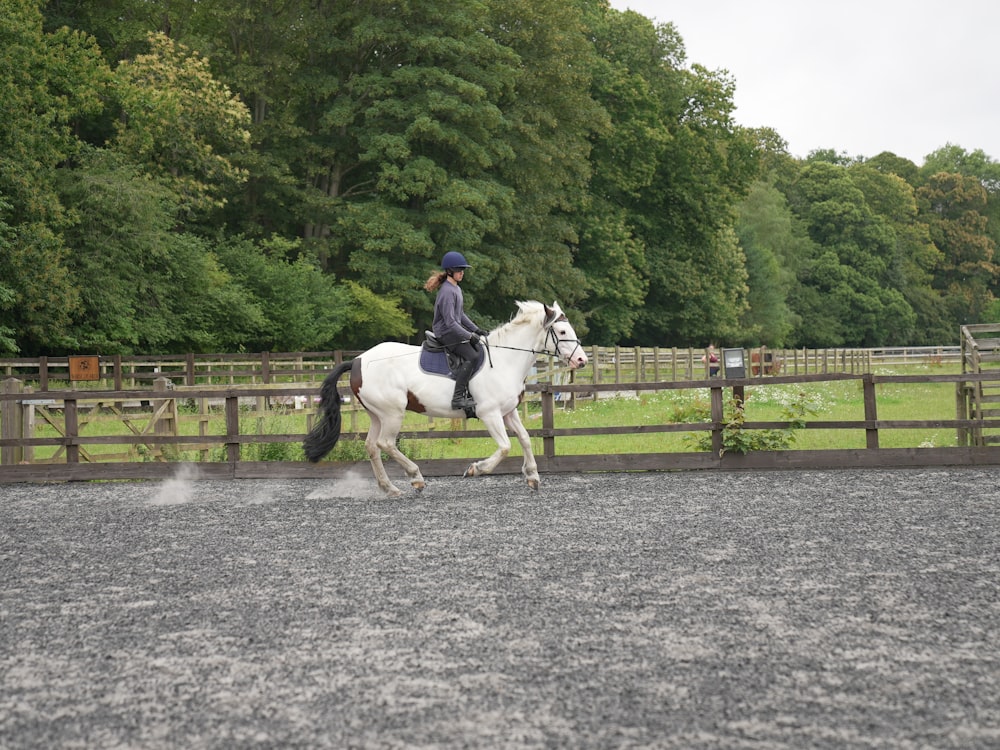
(560, 333)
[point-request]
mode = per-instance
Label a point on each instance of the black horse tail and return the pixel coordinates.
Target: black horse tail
(326, 432)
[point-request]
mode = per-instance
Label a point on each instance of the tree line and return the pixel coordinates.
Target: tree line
(202, 175)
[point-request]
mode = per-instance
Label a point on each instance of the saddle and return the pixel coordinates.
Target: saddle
(436, 359)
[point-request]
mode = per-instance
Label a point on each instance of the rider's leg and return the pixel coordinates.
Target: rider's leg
(462, 399)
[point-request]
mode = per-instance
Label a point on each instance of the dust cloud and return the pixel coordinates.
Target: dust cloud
(178, 489)
(356, 484)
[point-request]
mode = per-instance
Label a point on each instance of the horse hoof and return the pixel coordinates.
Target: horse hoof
(471, 471)
(419, 486)
(533, 484)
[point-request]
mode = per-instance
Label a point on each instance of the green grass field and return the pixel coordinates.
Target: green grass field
(829, 401)
(836, 400)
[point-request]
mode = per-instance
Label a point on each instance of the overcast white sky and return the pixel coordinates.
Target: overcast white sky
(906, 76)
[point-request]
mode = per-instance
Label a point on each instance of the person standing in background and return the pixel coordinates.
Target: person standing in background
(712, 360)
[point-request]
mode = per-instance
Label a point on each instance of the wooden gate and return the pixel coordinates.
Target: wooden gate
(980, 399)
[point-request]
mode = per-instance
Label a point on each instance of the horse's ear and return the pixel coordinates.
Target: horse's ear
(552, 314)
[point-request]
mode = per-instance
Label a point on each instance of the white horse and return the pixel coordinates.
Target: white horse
(388, 381)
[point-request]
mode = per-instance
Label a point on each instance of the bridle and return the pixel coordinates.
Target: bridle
(550, 336)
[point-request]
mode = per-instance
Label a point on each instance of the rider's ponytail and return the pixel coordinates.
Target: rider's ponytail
(435, 281)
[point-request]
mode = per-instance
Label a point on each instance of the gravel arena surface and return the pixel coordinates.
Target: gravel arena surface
(801, 609)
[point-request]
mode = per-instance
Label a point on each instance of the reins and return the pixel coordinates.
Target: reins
(550, 335)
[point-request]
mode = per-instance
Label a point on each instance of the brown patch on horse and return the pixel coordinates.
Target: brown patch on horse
(413, 403)
(356, 379)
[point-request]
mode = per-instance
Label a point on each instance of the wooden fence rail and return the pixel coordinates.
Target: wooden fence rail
(609, 365)
(77, 465)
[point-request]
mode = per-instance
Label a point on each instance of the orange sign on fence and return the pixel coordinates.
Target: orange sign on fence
(85, 367)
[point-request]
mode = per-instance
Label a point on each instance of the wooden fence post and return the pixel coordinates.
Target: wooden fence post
(962, 412)
(71, 430)
(232, 429)
(117, 363)
(871, 411)
(165, 418)
(718, 417)
(12, 420)
(164, 411)
(28, 427)
(548, 423)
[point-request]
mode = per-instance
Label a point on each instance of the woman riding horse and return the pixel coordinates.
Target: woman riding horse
(388, 381)
(453, 327)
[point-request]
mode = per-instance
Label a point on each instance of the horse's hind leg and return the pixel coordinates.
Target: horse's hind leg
(382, 437)
(387, 442)
(375, 456)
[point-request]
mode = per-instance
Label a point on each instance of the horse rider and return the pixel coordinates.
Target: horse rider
(453, 327)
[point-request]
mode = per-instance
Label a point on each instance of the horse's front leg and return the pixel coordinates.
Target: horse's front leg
(494, 424)
(530, 467)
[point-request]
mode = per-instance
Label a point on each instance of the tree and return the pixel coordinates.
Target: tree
(697, 269)
(181, 123)
(144, 286)
(47, 82)
(403, 136)
(956, 160)
(8, 336)
(302, 308)
(914, 258)
(773, 248)
(550, 118)
(888, 163)
(848, 293)
(953, 207)
(624, 159)
(683, 167)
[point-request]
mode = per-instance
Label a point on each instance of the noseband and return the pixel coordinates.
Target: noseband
(551, 336)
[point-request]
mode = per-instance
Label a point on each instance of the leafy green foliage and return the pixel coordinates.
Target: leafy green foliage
(47, 81)
(180, 122)
(203, 174)
(737, 439)
(955, 208)
(773, 242)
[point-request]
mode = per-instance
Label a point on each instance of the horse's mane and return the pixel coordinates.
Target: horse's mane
(528, 312)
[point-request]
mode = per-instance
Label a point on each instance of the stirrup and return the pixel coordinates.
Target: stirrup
(462, 402)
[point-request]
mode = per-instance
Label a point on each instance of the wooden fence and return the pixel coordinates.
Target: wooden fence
(160, 406)
(607, 365)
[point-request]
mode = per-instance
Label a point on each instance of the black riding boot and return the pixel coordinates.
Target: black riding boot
(463, 399)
